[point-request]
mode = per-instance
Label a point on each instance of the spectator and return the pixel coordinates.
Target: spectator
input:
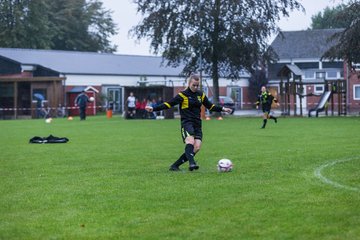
(46, 110)
(142, 108)
(160, 101)
(131, 104)
(60, 111)
(137, 108)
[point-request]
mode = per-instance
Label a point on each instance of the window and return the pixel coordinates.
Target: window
(309, 74)
(320, 75)
(318, 89)
(356, 92)
(356, 66)
(331, 75)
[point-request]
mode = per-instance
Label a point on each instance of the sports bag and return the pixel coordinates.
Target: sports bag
(49, 139)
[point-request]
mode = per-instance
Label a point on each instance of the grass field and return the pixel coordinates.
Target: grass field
(297, 179)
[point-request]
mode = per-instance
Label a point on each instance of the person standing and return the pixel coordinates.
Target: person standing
(160, 101)
(190, 101)
(81, 101)
(265, 98)
(131, 104)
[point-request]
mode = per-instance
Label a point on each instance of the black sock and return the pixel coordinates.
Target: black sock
(264, 124)
(189, 152)
(272, 117)
(182, 159)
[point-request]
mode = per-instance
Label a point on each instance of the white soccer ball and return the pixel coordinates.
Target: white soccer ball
(91, 99)
(48, 120)
(224, 165)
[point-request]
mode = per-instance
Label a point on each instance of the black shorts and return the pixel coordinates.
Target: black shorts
(191, 129)
(266, 109)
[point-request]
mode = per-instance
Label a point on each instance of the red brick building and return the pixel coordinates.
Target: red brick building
(302, 91)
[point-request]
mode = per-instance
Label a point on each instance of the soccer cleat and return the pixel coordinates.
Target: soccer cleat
(193, 167)
(275, 120)
(174, 168)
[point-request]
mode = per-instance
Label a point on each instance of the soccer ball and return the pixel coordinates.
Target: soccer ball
(224, 165)
(91, 99)
(48, 120)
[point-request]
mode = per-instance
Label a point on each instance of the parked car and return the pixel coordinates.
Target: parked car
(225, 101)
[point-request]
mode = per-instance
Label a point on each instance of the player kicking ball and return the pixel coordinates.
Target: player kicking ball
(190, 101)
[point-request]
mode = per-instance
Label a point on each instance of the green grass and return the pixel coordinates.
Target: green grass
(111, 181)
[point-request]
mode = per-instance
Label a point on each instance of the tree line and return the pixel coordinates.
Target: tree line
(62, 25)
(347, 17)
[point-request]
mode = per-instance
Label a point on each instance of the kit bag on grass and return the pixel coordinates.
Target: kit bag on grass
(49, 139)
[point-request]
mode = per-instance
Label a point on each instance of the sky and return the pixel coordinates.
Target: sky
(125, 16)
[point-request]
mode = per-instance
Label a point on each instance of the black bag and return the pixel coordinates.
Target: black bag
(49, 139)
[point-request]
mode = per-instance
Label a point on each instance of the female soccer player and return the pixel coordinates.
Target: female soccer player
(190, 101)
(266, 99)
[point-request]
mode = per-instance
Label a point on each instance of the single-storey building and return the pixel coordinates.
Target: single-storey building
(56, 76)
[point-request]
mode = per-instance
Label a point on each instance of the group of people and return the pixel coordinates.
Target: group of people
(43, 110)
(136, 108)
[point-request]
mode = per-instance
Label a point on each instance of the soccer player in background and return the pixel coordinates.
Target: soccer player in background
(190, 101)
(266, 99)
(81, 101)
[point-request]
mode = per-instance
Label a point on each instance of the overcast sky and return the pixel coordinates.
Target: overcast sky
(124, 15)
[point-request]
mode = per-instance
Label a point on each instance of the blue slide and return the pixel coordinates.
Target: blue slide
(322, 103)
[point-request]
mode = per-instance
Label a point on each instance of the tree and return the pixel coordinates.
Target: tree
(328, 18)
(347, 42)
(25, 24)
(63, 24)
(82, 25)
(226, 36)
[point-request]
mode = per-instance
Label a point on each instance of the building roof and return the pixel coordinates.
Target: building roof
(303, 44)
(291, 68)
(92, 63)
(79, 89)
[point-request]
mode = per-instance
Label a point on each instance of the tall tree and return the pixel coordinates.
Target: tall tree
(63, 24)
(348, 43)
(328, 18)
(25, 24)
(82, 25)
(226, 36)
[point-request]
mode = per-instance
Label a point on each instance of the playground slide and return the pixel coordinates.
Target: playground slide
(321, 105)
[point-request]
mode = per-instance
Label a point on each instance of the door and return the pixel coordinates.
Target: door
(114, 99)
(235, 92)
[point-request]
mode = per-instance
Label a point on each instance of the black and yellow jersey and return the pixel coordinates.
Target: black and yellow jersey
(189, 104)
(265, 98)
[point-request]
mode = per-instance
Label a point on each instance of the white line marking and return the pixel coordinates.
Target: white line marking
(318, 174)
